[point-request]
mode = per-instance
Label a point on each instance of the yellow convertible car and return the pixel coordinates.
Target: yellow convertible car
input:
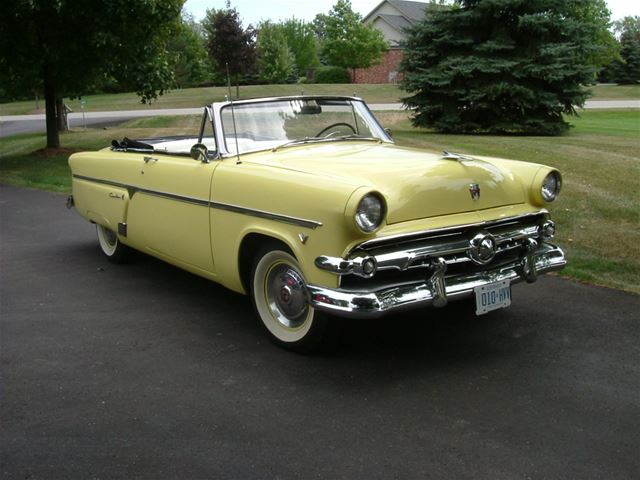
(307, 205)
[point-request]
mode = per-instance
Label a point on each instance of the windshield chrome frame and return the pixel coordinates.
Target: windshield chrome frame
(219, 106)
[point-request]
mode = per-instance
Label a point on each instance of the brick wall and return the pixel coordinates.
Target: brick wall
(385, 72)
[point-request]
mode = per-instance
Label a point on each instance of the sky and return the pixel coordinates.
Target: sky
(253, 11)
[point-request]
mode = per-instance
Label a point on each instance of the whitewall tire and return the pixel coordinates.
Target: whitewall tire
(280, 299)
(110, 245)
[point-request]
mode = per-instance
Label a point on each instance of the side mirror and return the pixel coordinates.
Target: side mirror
(199, 152)
(389, 132)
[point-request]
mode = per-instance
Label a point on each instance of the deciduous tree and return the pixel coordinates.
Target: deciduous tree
(188, 55)
(229, 44)
(64, 45)
(629, 69)
(346, 41)
(275, 60)
(303, 43)
(597, 16)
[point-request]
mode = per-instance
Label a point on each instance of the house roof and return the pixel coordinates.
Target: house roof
(396, 21)
(412, 11)
(401, 16)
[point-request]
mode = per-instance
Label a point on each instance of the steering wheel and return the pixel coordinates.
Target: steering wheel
(333, 125)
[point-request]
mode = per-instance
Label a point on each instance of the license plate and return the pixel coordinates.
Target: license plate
(492, 296)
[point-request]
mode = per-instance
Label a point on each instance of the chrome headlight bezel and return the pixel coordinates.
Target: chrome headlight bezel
(551, 186)
(370, 212)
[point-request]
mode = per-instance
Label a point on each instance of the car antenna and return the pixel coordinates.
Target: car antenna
(233, 115)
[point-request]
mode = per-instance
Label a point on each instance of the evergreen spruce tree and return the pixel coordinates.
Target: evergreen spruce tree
(499, 66)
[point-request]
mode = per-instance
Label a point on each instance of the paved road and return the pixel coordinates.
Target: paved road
(145, 371)
(13, 124)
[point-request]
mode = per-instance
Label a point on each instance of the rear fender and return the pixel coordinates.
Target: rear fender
(106, 205)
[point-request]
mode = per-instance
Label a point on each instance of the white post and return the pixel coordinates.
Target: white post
(84, 123)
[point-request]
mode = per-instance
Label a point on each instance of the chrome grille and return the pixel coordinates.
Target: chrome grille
(404, 259)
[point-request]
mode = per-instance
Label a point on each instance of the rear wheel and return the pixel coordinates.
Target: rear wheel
(280, 298)
(110, 245)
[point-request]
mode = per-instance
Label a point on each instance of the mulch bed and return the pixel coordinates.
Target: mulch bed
(52, 152)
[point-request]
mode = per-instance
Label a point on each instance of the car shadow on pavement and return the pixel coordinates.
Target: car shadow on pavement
(413, 340)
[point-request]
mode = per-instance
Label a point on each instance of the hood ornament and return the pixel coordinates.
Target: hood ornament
(455, 156)
(474, 190)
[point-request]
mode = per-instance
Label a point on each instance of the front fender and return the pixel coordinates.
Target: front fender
(240, 192)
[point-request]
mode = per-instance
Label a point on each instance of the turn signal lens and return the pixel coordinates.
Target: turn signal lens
(370, 213)
(369, 266)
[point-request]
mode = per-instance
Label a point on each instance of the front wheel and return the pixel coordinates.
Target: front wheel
(280, 298)
(110, 245)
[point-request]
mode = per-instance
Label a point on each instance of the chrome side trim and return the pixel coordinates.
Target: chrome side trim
(434, 290)
(206, 203)
(100, 180)
(408, 236)
(268, 215)
(173, 196)
(156, 193)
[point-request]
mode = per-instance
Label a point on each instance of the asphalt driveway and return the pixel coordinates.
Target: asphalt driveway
(145, 371)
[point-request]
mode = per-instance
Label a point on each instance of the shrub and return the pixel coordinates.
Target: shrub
(332, 75)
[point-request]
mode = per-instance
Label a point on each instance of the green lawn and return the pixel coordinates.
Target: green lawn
(598, 213)
(197, 97)
(616, 92)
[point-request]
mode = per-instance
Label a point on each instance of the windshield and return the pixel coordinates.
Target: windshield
(278, 123)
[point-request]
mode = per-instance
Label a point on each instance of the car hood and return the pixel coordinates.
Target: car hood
(415, 184)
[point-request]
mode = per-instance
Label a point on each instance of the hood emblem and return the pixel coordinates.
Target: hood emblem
(474, 190)
(482, 248)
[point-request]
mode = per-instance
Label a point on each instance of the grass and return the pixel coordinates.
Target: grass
(615, 123)
(197, 97)
(615, 92)
(598, 213)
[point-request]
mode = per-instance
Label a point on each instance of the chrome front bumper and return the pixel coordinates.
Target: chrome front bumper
(436, 290)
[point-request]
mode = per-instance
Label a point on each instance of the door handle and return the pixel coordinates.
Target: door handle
(149, 159)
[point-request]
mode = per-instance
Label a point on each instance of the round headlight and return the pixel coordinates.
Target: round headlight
(370, 213)
(551, 186)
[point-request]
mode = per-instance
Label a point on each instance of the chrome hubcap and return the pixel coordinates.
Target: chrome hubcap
(287, 296)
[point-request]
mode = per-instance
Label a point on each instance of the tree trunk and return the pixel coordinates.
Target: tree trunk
(238, 87)
(53, 137)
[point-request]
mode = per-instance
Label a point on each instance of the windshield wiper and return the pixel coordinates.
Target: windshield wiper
(298, 141)
(357, 137)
